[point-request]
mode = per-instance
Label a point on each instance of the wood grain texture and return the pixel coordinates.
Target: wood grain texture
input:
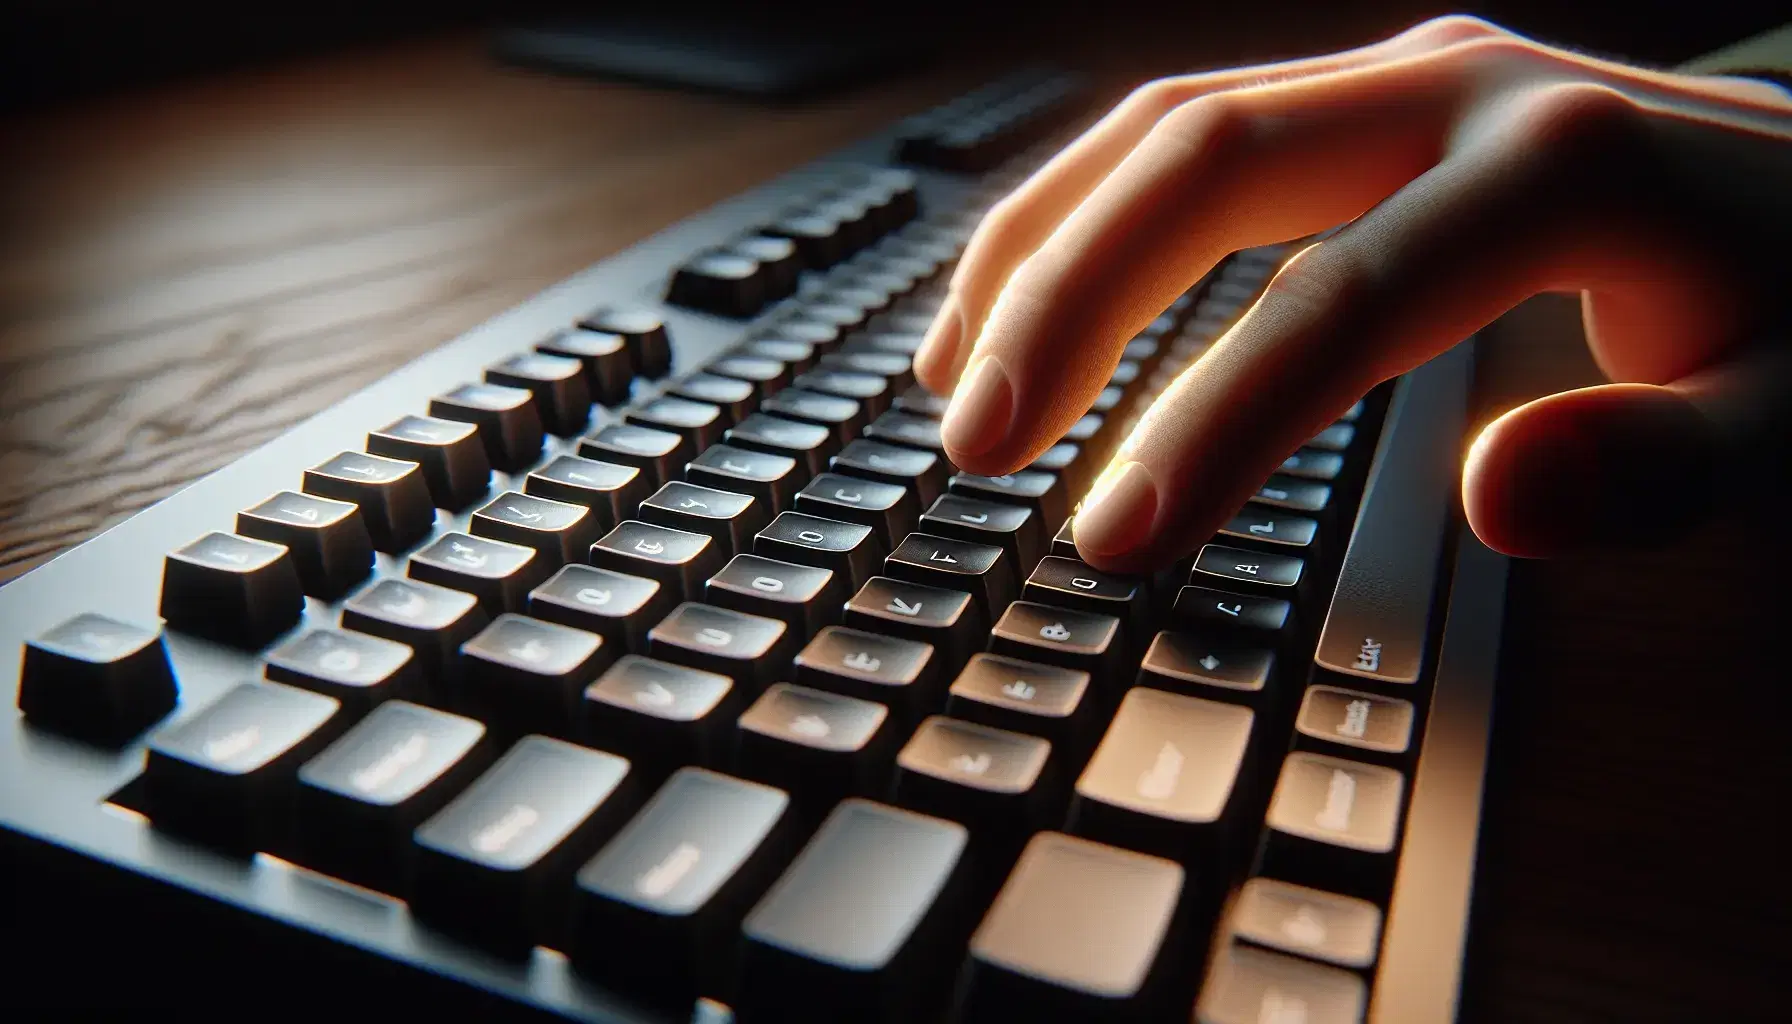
(187, 273)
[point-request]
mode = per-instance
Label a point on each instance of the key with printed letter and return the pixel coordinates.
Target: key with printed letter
(889, 670)
(921, 472)
(1070, 583)
(560, 531)
(681, 561)
(225, 774)
(656, 453)
(657, 911)
(992, 779)
(660, 715)
(852, 931)
(394, 500)
(1014, 528)
(1078, 932)
(770, 479)
(509, 422)
(948, 620)
(730, 518)
(1163, 778)
(1267, 618)
(529, 674)
(1334, 824)
(617, 607)
(849, 550)
(231, 589)
(494, 865)
(981, 569)
(329, 544)
(750, 649)
(804, 596)
(1042, 492)
(1056, 703)
(1253, 572)
(359, 800)
(888, 509)
(433, 621)
(358, 669)
(500, 575)
(819, 746)
(562, 395)
(96, 678)
(1272, 531)
(610, 490)
(1060, 636)
(455, 465)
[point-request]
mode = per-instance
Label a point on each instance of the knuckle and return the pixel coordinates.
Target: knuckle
(1451, 29)
(1490, 55)
(1573, 122)
(1156, 98)
(1210, 127)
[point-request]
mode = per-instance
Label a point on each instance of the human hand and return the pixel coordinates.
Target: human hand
(1475, 169)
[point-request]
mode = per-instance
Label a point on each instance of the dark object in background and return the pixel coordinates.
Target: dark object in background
(721, 52)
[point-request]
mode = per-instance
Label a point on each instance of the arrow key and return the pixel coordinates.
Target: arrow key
(616, 606)
(528, 673)
(752, 650)
(817, 745)
(1201, 666)
(660, 715)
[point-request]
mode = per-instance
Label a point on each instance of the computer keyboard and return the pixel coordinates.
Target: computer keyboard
(639, 656)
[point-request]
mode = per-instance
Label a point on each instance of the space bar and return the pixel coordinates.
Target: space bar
(1380, 614)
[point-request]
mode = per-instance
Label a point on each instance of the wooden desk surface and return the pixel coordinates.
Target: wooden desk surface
(187, 273)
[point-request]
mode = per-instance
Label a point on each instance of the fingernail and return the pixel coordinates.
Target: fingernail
(1119, 512)
(982, 409)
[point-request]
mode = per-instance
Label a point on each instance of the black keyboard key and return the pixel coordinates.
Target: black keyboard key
(1162, 779)
(1351, 723)
(922, 472)
(656, 453)
(231, 589)
(657, 911)
(561, 395)
(1352, 414)
(1086, 429)
(734, 398)
(1310, 464)
(1324, 926)
(887, 669)
(395, 502)
(724, 283)
(456, 468)
(805, 597)
(96, 678)
(817, 238)
(1251, 986)
(901, 428)
(854, 929)
(1064, 542)
(1282, 492)
(1042, 492)
(358, 669)
(770, 479)
(894, 367)
(359, 800)
(432, 621)
(750, 649)
(500, 575)
(699, 423)
(1267, 618)
(1065, 459)
(225, 774)
(779, 263)
(869, 390)
(808, 443)
(730, 518)
(617, 607)
(529, 674)
(922, 402)
(887, 508)
(604, 356)
(819, 746)
(990, 779)
(328, 542)
(1060, 636)
(847, 549)
(980, 569)
(1070, 583)
(561, 531)
(1203, 665)
(797, 353)
(886, 342)
(949, 620)
(1333, 824)
(680, 560)
(660, 715)
(1258, 572)
(495, 864)
(1271, 530)
(1026, 696)
(649, 346)
(1013, 528)
(1335, 438)
(510, 425)
(1078, 932)
(843, 416)
(610, 490)
(767, 376)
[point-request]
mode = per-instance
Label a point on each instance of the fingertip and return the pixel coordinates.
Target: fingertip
(1118, 519)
